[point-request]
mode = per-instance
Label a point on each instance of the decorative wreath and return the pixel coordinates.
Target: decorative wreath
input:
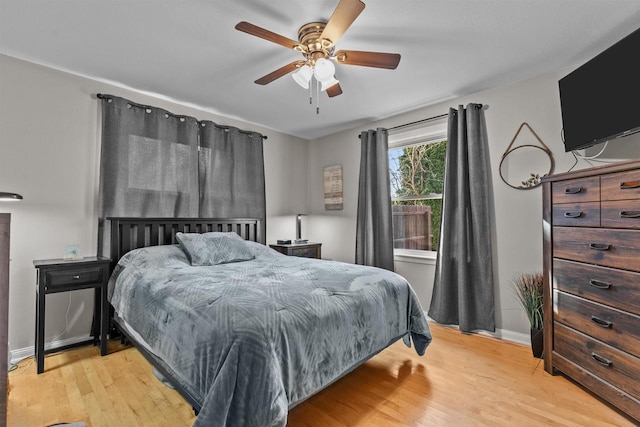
(535, 178)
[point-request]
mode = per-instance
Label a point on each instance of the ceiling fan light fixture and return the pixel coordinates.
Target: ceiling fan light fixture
(316, 42)
(324, 70)
(326, 84)
(303, 76)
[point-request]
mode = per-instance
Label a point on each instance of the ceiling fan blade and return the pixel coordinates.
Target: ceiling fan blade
(334, 90)
(346, 12)
(254, 30)
(368, 59)
(279, 72)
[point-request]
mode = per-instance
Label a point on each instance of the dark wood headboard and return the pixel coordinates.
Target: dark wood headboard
(132, 233)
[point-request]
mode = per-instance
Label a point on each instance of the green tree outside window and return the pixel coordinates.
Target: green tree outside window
(417, 179)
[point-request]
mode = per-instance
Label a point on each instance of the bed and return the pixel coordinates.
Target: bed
(243, 332)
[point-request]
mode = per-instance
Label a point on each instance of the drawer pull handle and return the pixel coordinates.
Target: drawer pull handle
(601, 360)
(629, 185)
(598, 284)
(572, 214)
(599, 246)
(76, 277)
(600, 322)
(574, 190)
(630, 214)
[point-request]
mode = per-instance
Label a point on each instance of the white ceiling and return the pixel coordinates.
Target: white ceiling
(189, 51)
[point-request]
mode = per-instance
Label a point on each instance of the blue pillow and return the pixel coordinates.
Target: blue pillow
(165, 256)
(214, 248)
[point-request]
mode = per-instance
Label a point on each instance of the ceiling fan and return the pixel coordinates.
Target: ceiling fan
(316, 42)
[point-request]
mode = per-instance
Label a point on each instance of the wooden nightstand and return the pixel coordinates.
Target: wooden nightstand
(61, 275)
(305, 250)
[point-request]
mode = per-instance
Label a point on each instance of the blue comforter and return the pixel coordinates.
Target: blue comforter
(251, 339)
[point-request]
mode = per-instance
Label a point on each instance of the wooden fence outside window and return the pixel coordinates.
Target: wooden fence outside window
(412, 227)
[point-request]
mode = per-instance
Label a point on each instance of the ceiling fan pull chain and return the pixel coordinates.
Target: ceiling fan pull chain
(311, 92)
(317, 96)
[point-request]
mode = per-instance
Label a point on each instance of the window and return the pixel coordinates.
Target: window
(416, 168)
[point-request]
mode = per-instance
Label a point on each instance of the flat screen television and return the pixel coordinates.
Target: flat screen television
(600, 100)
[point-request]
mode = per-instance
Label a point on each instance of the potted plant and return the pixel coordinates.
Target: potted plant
(529, 290)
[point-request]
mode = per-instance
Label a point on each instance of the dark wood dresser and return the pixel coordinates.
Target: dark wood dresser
(591, 225)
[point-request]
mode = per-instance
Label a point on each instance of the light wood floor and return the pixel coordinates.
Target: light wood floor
(463, 380)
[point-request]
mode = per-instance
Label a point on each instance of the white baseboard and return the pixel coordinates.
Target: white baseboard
(507, 335)
(502, 334)
(22, 353)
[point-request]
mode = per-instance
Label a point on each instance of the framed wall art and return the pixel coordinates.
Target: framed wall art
(333, 195)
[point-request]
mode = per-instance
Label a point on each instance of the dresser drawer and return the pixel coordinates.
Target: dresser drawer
(608, 247)
(618, 368)
(577, 214)
(621, 214)
(576, 190)
(621, 186)
(616, 288)
(614, 327)
(73, 277)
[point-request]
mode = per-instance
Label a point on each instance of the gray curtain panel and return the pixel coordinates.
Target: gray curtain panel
(374, 232)
(231, 173)
(463, 287)
(149, 164)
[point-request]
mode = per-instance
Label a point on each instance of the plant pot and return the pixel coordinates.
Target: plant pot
(537, 343)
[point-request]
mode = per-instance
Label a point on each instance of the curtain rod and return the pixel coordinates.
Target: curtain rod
(414, 123)
(428, 119)
(419, 121)
(101, 96)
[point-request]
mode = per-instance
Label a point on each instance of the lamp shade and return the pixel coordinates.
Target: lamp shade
(9, 197)
(303, 76)
(326, 84)
(324, 69)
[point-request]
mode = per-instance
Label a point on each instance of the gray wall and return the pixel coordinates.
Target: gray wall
(518, 214)
(49, 153)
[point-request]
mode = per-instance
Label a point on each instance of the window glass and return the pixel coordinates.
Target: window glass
(416, 168)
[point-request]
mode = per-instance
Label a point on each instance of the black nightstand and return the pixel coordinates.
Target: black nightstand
(61, 275)
(305, 250)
